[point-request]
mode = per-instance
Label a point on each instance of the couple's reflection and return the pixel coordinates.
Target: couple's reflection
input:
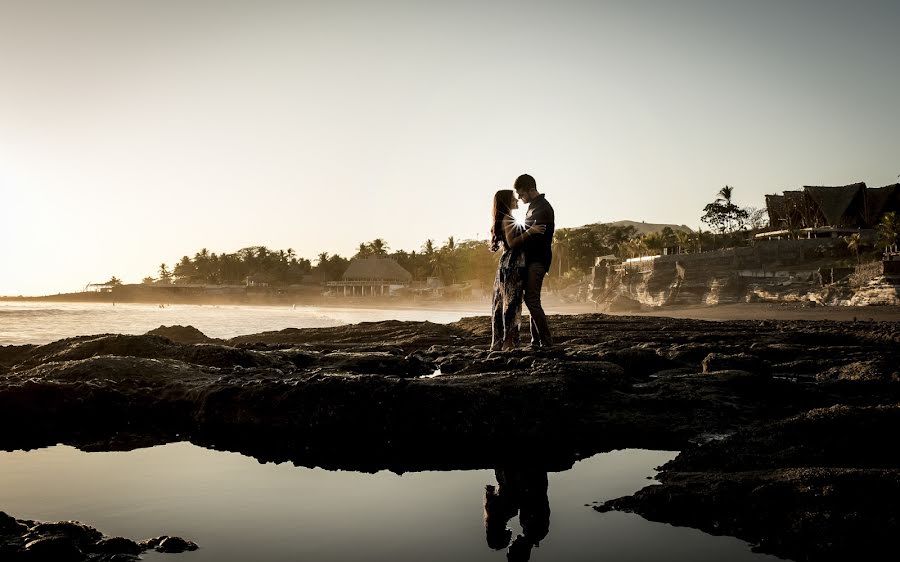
(522, 492)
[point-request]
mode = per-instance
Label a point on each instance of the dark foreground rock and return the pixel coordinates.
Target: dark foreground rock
(70, 541)
(417, 395)
(822, 485)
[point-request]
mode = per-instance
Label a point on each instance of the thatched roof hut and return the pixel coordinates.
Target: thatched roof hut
(845, 206)
(775, 206)
(841, 205)
(376, 269)
(882, 200)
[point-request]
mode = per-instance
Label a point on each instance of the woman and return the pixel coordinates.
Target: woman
(506, 305)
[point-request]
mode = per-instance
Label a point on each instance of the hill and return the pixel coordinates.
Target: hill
(647, 227)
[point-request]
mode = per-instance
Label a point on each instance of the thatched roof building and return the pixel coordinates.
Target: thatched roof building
(376, 269)
(371, 277)
(846, 206)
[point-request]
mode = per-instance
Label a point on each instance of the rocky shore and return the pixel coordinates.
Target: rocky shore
(785, 427)
(71, 541)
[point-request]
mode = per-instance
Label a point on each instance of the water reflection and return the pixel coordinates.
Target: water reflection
(238, 509)
(522, 492)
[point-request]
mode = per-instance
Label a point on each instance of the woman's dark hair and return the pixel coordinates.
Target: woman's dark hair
(501, 212)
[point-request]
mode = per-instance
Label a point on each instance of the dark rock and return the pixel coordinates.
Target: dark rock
(181, 334)
(801, 488)
(353, 397)
(10, 526)
(117, 545)
(376, 363)
(117, 557)
(54, 548)
(734, 376)
(70, 541)
(175, 544)
(80, 534)
(150, 544)
(740, 361)
(638, 362)
(872, 370)
(11, 355)
(679, 372)
(801, 367)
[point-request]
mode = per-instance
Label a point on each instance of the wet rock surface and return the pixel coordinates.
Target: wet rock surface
(71, 541)
(821, 485)
(417, 395)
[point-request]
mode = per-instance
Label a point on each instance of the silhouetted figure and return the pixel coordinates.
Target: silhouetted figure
(506, 304)
(523, 492)
(538, 256)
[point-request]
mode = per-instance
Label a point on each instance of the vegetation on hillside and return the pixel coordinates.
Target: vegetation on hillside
(574, 251)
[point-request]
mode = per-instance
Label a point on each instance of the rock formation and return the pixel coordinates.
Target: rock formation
(812, 399)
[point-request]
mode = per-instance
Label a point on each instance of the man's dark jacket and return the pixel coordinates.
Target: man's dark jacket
(537, 246)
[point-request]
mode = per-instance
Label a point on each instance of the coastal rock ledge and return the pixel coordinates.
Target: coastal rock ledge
(70, 541)
(785, 427)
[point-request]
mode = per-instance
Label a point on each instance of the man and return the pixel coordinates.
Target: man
(537, 257)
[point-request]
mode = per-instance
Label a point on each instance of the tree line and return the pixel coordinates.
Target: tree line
(452, 261)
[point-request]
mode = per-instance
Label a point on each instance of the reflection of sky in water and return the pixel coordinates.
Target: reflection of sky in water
(238, 509)
(43, 322)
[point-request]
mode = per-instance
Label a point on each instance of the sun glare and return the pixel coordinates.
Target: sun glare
(518, 216)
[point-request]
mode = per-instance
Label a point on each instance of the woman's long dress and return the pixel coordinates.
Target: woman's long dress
(506, 305)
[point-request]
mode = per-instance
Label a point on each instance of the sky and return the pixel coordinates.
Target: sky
(133, 133)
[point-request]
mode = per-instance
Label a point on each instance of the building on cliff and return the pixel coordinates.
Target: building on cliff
(827, 210)
(371, 277)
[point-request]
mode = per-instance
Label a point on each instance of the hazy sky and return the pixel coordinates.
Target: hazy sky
(132, 133)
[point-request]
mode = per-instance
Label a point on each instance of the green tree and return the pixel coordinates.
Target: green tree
(378, 247)
(114, 281)
(165, 276)
(185, 271)
(888, 231)
(682, 240)
(722, 215)
(853, 242)
(363, 251)
(725, 194)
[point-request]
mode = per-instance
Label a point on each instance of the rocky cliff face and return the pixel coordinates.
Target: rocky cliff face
(774, 271)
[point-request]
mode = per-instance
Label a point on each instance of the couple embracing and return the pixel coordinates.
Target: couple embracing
(524, 263)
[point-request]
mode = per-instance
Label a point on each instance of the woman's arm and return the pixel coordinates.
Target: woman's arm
(516, 236)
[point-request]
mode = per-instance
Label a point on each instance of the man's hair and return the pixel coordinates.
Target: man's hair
(525, 183)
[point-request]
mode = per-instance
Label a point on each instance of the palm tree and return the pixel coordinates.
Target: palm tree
(682, 239)
(699, 239)
(323, 258)
(363, 251)
(853, 244)
(725, 194)
(889, 231)
(438, 263)
(164, 275)
(448, 259)
(428, 247)
(562, 239)
(378, 247)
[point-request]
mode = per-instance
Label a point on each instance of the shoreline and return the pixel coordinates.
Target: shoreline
(721, 312)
